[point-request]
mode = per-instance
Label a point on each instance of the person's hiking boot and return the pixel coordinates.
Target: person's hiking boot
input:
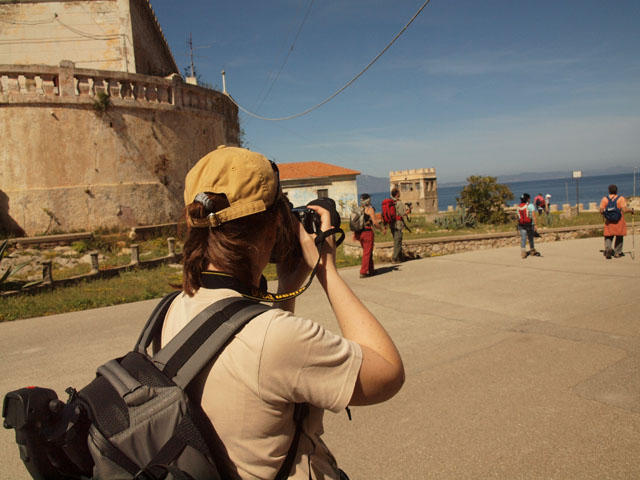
(607, 253)
(535, 253)
(618, 255)
(524, 254)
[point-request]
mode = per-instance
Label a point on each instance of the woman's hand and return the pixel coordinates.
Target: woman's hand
(328, 259)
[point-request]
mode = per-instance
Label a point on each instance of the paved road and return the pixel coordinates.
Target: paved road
(516, 369)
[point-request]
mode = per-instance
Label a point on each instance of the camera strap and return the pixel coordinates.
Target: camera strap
(211, 279)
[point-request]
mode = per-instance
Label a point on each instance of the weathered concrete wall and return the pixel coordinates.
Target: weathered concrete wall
(65, 166)
(118, 35)
(343, 190)
(152, 54)
(88, 33)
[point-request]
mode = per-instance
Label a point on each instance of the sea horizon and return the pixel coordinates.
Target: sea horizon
(562, 190)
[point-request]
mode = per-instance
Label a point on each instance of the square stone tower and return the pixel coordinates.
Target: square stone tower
(417, 187)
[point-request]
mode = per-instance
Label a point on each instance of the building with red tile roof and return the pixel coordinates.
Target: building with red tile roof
(303, 170)
(306, 181)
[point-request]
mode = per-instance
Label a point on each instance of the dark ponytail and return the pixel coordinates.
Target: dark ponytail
(232, 246)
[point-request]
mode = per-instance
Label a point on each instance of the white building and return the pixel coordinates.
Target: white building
(306, 181)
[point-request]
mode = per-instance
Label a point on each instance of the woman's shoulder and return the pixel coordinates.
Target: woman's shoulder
(285, 331)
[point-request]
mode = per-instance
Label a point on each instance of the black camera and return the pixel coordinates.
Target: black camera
(288, 249)
(51, 435)
(309, 219)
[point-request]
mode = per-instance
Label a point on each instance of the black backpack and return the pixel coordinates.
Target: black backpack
(135, 419)
(612, 213)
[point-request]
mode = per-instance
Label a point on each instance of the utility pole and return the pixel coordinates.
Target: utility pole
(191, 54)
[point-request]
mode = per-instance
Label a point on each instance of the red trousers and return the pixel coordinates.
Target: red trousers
(366, 240)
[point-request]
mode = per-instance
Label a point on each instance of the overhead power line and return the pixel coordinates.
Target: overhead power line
(28, 22)
(284, 62)
(347, 85)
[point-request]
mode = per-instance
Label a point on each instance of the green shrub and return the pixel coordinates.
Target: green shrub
(80, 246)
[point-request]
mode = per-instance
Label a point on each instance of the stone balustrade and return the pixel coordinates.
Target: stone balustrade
(67, 84)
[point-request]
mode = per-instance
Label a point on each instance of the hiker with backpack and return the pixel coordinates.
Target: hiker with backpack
(612, 208)
(540, 204)
(279, 359)
(393, 214)
(526, 226)
(362, 222)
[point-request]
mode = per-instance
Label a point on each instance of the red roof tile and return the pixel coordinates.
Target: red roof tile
(298, 170)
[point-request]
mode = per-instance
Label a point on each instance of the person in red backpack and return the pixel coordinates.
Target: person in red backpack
(396, 224)
(526, 225)
(612, 208)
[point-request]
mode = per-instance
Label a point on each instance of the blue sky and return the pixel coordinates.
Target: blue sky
(471, 88)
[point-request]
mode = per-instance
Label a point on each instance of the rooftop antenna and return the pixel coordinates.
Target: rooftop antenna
(191, 52)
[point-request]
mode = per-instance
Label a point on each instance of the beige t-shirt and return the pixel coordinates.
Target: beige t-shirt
(276, 360)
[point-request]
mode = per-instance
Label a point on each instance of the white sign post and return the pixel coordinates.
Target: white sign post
(577, 174)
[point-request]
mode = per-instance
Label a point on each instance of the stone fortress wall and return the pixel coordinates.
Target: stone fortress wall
(118, 35)
(72, 160)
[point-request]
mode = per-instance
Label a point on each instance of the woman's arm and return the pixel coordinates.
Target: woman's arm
(382, 372)
(372, 215)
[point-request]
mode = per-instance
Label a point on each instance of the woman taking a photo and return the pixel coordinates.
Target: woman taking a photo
(239, 221)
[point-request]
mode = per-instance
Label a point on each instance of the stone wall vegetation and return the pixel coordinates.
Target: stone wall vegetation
(66, 262)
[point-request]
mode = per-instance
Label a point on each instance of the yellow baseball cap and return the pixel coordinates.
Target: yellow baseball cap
(248, 179)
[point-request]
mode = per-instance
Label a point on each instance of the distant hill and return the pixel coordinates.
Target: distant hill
(370, 184)
(531, 176)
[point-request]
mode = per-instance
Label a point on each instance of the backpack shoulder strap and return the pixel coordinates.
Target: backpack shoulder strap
(155, 322)
(204, 337)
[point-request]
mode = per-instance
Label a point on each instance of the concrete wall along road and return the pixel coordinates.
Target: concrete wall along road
(66, 166)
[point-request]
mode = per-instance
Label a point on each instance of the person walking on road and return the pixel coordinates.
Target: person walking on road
(547, 209)
(613, 207)
(366, 236)
(397, 227)
(526, 225)
(539, 203)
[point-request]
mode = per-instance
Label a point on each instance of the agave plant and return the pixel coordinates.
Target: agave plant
(4, 277)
